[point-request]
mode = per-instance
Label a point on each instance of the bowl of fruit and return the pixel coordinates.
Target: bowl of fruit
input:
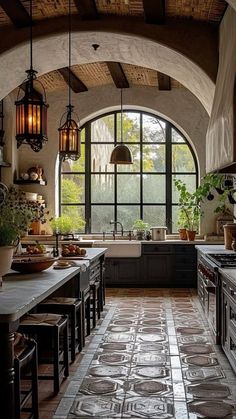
(28, 265)
(72, 250)
(34, 250)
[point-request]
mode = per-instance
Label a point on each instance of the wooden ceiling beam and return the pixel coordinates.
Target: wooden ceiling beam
(154, 11)
(16, 12)
(75, 83)
(164, 81)
(118, 75)
(87, 9)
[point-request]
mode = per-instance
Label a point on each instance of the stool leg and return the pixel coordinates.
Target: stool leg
(72, 335)
(98, 302)
(88, 315)
(80, 331)
(35, 403)
(94, 306)
(66, 351)
(56, 380)
(17, 389)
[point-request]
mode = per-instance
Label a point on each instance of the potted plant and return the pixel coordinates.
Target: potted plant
(190, 207)
(67, 225)
(140, 228)
(182, 224)
(16, 215)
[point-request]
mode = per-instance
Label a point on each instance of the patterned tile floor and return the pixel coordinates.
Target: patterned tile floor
(151, 357)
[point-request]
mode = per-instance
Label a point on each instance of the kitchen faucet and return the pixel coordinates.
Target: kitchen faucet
(115, 227)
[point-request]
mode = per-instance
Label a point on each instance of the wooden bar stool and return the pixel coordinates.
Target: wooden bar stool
(85, 298)
(95, 300)
(26, 369)
(51, 333)
(73, 308)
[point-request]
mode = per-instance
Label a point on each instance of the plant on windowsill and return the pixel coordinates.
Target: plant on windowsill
(65, 225)
(16, 215)
(190, 208)
(140, 228)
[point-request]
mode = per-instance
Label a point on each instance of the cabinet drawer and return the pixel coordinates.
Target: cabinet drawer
(183, 249)
(148, 249)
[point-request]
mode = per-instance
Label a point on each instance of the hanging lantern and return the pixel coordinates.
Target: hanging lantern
(31, 115)
(69, 137)
(69, 132)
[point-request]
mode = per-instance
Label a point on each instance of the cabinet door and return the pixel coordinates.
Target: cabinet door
(109, 272)
(157, 270)
(128, 271)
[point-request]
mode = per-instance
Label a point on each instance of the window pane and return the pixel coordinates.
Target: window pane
(82, 135)
(175, 210)
(153, 129)
(128, 188)
(72, 189)
(102, 188)
(135, 167)
(74, 211)
(154, 158)
(127, 214)
(154, 215)
(154, 188)
(101, 215)
(77, 165)
(100, 157)
(131, 127)
(189, 180)
(102, 130)
(182, 159)
(176, 137)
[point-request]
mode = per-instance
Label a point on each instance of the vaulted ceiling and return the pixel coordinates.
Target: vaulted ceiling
(14, 14)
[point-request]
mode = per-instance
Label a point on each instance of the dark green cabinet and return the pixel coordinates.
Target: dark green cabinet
(160, 265)
(122, 271)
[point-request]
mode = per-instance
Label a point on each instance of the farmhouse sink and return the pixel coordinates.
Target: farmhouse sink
(120, 248)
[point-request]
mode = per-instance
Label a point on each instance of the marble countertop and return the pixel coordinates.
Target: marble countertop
(21, 292)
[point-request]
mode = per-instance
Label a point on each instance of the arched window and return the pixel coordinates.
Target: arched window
(102, 192)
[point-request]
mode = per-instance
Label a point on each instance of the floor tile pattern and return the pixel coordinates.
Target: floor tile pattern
(152, 356)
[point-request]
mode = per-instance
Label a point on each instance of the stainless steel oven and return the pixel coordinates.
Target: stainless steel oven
(209, 293)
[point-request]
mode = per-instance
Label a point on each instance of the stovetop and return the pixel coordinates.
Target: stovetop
(224, 260)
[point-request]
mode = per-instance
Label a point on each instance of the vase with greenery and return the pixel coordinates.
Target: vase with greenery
(16, 215)
(140, 228)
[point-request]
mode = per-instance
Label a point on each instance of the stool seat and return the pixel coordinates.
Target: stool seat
(73, 308)
(51, 332)
(44, 319)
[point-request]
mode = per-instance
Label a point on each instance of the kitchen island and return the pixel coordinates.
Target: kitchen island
(20, 294)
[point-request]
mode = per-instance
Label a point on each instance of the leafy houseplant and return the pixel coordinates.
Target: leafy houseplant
(140, 226)
(16, 215)
(65, 224)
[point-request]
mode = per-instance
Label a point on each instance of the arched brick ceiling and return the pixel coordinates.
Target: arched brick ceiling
(14, 20)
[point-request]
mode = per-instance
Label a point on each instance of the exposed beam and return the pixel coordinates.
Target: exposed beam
(154, 11)
(87, 9)
(118, 75)
(16, 12)
(75, 83)
(164, 82)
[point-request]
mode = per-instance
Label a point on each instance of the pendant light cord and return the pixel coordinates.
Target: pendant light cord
(31, 38)
(69, 51)
(121, 116)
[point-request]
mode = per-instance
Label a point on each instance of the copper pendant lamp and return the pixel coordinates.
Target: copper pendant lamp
(69, 132)
(121, 153)
(31, 109)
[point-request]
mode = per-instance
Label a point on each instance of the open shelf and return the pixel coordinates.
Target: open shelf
(30, 182)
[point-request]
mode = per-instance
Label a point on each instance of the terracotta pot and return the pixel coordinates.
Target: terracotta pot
(191, 235)
(6, 254)
(183, 234)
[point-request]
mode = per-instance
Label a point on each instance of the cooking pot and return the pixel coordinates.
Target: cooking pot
(158, 233)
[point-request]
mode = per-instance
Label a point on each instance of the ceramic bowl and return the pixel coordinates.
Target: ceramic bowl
(31, 265)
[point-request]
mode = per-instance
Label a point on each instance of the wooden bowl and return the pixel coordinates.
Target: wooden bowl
(31, 265)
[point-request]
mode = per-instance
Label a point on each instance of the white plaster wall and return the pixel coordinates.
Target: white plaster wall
(178, 105)
(220, 148)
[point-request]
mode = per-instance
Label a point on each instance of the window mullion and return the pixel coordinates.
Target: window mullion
(168, 177)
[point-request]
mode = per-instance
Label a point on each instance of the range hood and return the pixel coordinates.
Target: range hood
(2, 162)
(228, 169)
